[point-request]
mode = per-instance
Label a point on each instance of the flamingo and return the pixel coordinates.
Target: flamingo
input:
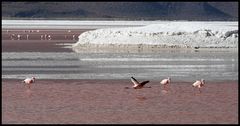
(199, 84)
(49, 37)
(29, 81)
(19, 37)
(12, 36)
(138, 85)
(73, 37)
(165, 82)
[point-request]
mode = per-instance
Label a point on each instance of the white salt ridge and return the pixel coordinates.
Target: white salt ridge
(167, 34)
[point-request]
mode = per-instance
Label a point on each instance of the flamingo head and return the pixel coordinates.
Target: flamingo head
(203, 81)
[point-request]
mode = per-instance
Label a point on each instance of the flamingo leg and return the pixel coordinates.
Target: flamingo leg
(199, 90)
(194, 90)
(164, 87)
(168, 86)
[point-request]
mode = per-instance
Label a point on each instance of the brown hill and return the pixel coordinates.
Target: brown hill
(123, 10)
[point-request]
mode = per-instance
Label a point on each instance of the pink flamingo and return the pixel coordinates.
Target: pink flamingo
(199, 84)
(29, 81)
(138, 85)
(165, 82)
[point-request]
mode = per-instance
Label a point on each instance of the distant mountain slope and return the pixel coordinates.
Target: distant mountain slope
(127, 10)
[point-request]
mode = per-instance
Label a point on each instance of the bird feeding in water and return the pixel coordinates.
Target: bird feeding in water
(199, 84)
(29, 81)
(138, 85)
(165, 82)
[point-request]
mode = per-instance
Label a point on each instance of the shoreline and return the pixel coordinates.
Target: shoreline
(143, 48)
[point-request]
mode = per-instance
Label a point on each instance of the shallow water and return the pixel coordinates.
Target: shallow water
(107, 102)
(93, 101)
(180, 65)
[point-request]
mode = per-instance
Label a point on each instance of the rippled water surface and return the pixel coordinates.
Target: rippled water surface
(181, 65)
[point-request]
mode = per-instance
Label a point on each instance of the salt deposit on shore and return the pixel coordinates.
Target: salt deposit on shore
(165, 34)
